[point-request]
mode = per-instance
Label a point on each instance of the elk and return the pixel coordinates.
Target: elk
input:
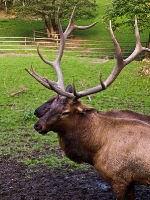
(117, 146)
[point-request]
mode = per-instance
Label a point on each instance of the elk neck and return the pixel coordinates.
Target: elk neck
(81, 140)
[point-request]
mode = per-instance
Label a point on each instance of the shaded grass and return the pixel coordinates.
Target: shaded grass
(19, 28)
(17, 136)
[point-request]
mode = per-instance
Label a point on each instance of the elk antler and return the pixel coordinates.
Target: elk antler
(120, 63)
(59, 85)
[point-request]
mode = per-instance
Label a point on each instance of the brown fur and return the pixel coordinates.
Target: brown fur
(119, 148)
(128, 114)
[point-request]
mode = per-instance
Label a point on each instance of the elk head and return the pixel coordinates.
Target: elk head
(58, 112)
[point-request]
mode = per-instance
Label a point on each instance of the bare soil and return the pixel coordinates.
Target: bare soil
(19, 182)
(3, 15)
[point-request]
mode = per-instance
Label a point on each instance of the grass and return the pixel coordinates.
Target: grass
(18, 138)
(21, 94)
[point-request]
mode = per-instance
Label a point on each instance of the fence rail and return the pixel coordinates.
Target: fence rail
(84, 48)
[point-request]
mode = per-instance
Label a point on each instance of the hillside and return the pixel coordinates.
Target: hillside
(10, 27)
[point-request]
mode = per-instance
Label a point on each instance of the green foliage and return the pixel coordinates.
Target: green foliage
(47, 11)
(123, 12)
(49, 8)
(28, 114)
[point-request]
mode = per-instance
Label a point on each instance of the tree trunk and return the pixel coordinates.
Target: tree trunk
(6, 7)
(51, 29)
(47, 28)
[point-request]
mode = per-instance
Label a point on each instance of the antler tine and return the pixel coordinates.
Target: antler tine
(42, 80)
(42, 58)
(38, 78)
(56, 64)
(62, 38)
(71, 26)
(138, 48)
(120, 63)
(116, 45)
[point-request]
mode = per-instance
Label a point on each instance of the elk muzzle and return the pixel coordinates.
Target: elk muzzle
(40, 128)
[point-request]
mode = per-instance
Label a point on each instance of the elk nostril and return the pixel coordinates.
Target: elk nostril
(37, 127)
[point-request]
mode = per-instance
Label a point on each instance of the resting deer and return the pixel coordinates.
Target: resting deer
(118, 147)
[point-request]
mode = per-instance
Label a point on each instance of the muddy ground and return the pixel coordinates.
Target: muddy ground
(19, 182)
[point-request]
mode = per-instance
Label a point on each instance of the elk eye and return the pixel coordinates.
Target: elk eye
(65, 113)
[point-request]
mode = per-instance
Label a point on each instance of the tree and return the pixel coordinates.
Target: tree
(5, 4)
(47, 10)
(123, 12)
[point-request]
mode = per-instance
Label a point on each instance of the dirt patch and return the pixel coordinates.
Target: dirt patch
(17, 54)
(19, 182)
(144, 70)
(3, 15)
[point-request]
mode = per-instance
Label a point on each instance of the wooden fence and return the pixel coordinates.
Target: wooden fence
(84, 48)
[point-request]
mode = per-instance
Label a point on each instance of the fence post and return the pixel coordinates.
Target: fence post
(34, 35)
(25, 43)
(57, 39)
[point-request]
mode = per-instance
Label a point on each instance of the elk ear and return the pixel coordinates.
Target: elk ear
(85, 110)
(69, 88)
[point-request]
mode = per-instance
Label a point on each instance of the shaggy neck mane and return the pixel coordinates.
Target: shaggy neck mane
(77, 141)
